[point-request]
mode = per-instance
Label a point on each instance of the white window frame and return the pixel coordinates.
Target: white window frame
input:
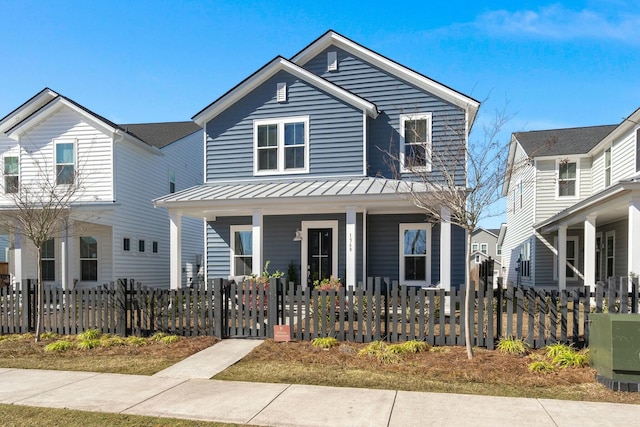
(6, 175)
(96, 259)
(281, 151)
(525, 256)
(607, 167)
(498, 249)
(484, 248)
(428, 144)
(172, 181)
(232, 245)
(415, 226)
(57, 142)
(608, 234)
(155, 247)
(332, 60)
(304, 248)
(124, 249)
(575, 258)
(53, 258)
(142, 246)
(474, 247)
(478, 259)
(577, 178)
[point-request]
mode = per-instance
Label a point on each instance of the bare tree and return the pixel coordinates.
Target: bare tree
(453, 181)
(38, 210)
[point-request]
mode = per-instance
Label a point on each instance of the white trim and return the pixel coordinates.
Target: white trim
(304, 249)
(577, 179)
(281, 92)
(575, 258)
(428, 144)
(486, 248)
(281, 148)
(5, 175)
(414, 226)
(611, 233)
(74, 143)
(233, 229)
(97, 239)
(365, 162)
(332, 60)
(351, 243)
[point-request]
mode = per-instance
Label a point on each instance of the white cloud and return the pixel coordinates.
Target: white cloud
(558, 22)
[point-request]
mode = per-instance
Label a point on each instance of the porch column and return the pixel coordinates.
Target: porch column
(16, 257)
(256, 240)
(633, 255)
(445, 250)
(66, 255)
(175, 258)
(562, 257)
(590, 252)
(351, 247)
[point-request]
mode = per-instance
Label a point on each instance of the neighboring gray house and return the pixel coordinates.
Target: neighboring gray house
(573, 205)
(484, 245)
(113, 230)
(296, 171)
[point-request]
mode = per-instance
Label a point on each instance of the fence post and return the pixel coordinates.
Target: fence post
(121, 307)
(272, 306)
(218, 312)
(25, 300)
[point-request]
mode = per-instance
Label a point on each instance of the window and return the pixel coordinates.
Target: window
(498, 249)
(241, 250)
(140, 245)
(126, 244)
(478, 261)
(474, 247)
(525, 259)
(88, 259)
(415, 142)
(610, 252)
(65, 163)
(572, 258)
(281, 146)
(567, 178)
(172, 182)
(484, 248)
(332, 61)
(48, 261)
(607, 167)
(11, 174)
(414, 257)
(154, 247)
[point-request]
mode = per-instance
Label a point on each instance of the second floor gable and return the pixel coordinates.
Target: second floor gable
(334, 109)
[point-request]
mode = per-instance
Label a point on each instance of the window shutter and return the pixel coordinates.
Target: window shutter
(332, 61)
(281, 94)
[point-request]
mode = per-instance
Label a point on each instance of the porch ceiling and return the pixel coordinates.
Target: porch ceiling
(376, 195)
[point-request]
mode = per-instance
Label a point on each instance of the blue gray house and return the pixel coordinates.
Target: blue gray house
(297, 170)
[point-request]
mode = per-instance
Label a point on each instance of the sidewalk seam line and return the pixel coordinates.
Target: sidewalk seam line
(547, 412)
(155, 395)
(395, 396)
(269, 403)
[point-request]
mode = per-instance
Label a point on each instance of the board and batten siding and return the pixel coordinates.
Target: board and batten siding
(520, 218)
(393, 97)
(336, 131)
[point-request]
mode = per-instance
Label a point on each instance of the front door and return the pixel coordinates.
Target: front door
(320, 254)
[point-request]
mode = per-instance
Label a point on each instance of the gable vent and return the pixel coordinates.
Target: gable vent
(281, 93)
(332, 61)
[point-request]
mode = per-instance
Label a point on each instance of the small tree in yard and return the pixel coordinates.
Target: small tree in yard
(37, 209)
(443, 191)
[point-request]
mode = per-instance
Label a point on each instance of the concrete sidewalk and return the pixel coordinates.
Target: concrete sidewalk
(183, 391)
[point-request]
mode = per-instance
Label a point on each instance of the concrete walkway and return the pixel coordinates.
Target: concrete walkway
(168, 395)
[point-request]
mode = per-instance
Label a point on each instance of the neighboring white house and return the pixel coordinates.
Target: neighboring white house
(484, 245)
(113, 229)
(573, 205)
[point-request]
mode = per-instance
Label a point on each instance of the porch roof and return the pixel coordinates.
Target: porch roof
(294, 196)
(609, 205)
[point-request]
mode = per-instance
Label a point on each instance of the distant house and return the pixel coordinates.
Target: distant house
(296, 170)
(573, 205)
(484, 245)
(114, 231)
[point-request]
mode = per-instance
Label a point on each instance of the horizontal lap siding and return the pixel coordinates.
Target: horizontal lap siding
(393, 97)
(219, 244)
(335, 131)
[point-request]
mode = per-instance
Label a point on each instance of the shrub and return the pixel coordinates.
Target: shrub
(158, 336)
(112, 341)
(512, 345)
(90, 334)
(557, 349)
(440, 349)
(88, 344)
(49, 336)
(169, 339)
(326, 342)
(542, 366)
(381, 351)
(414, 346)
(58, 346)
(373, 349)
(571, 359)
(136, 341)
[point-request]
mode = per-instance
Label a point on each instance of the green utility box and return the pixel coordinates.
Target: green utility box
(614, 349)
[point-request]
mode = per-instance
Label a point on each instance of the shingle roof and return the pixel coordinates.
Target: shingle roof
(559, 142)
(160, 134)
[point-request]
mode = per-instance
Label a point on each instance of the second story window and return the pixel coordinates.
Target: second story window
(172, 182)
(65, 163)
(11, 174)
(567, 179)
(415, 142)
(607, 167)
(484, 248)
(281, 146)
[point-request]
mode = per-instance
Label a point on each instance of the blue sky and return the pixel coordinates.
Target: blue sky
(553, 64)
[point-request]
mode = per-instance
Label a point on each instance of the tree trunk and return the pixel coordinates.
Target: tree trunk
(40, 297)
(467, 300)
